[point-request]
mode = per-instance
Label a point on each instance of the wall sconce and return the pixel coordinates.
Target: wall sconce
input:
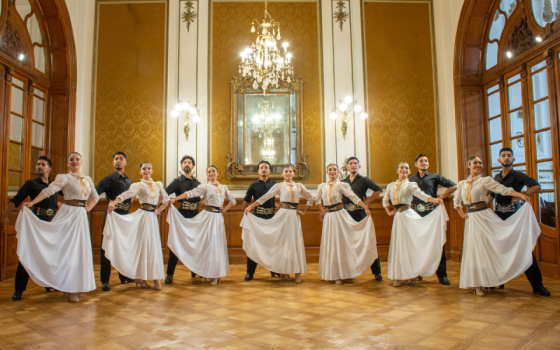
(344, 108)
(189, 111)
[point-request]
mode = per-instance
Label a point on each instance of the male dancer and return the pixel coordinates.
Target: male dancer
(360, 184)
(113, 185)
(506, 206)
(429, 182)
(187, 207)
(264, 211)
(44, 210)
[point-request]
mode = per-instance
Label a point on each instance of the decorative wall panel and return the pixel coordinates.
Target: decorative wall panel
(230, 34)
(400, 71)
(130, 86)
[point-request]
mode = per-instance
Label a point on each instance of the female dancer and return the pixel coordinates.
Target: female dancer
(348, 248)
(494, 251)
(416, 242)
(200, 242)
(132, 241)
(57, 254)
(277, 244)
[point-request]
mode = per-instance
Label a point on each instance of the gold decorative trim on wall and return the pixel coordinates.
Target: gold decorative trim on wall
(129, 86)
(402, 95)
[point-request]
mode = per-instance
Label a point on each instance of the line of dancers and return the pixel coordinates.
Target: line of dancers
(54, 245)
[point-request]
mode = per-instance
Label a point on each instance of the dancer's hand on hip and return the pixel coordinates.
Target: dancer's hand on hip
(368, 212)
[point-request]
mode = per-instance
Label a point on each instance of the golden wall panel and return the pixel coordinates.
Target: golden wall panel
(130, 71)
(400, 86)
(231, 33)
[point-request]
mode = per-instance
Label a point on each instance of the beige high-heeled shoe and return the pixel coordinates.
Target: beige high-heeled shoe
(157, 285)
(215, 281)
(287, 277)
(142, 284)
(478, 292)
(298, 278)
(73, 297)
(397, 283)
(337, 282)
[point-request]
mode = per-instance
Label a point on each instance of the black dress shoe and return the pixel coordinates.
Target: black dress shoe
(248, 277)
(169, 279)
(125, 280)
(193, 275)
(540, 290)
(378, 277)
(105, 286)
(274, 274)
(420, 278)
(502, 286)
(443, 280)
(48, 289)
(17, 295)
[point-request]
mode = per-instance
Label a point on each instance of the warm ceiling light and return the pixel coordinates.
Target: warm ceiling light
(538, 39)
(509, 54)
(21, 57)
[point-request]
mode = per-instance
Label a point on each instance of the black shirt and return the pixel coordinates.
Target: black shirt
(258, 189)
(113, 185)
(429, 184)
(31, 189)
(514, 179)
(181, 185)
(360, 187)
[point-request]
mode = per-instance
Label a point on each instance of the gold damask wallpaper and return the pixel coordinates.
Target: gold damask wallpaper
(130, 69)
(231, 33)
(400, 85)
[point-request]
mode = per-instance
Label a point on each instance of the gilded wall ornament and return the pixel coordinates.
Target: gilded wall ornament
(189, 15)
(340, 15)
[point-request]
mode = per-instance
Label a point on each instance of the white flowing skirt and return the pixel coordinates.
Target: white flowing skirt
(275, 244)
(133, 244)
(416, 243)
(200, 243)
(57, 254)
(348, 248)
(496, 251)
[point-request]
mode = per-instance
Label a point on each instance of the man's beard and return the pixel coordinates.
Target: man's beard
(40, 172)
(354, 171)
(506, 164)
(187, 169)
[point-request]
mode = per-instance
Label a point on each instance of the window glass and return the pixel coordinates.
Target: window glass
(495, 154)
(516, 123)
(39, 53)
(515, 99)
(545, 175)
(35, 154)
(496, 129)
(38, 109)
(37, 135)
(542, 115)
(508, 6)
(491, 55)
(521, 168)
(494, 105)
(34, 30)
(14, 157)
(545, 11)
(16, 128)
(543, 145)
(514, 78)
(547, 209)
(518, 146)
(538, 66)
(492, 89)
(13, 181)
(540, 85)
(497, 26)
(496, 172)
(23, 7)
(17, 100)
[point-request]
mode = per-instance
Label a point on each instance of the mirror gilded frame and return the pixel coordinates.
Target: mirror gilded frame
(286, 102)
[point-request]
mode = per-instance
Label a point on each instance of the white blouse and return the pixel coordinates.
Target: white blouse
(74, 187)
(479, 187)
(401, 192)
(331, 193)
(214, 194)
(289, 193)
(147, 191)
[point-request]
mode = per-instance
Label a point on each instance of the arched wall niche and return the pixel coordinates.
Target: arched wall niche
(45, 78)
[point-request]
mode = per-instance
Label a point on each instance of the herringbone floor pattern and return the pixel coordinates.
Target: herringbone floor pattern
(267, 313)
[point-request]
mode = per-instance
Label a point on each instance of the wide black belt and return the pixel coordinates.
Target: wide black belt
(423, 207)
(123, 206)
(148, 207)
(478, 206)
(352, 207)
(44, 212)
(507, 208)
(188, 206)
(402, 207)
(75, 203)
(336, 207)
(212, 209)
(291, 206)
(263, 211)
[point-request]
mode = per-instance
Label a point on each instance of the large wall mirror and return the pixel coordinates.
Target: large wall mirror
(266, 125)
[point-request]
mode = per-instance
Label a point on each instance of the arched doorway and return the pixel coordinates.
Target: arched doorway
(507, 86)
(37, 100)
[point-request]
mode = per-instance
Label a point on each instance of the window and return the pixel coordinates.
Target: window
(494, 119)
(545, 11)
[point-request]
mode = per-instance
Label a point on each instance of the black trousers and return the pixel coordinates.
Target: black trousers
(359, 215)
(251, 265)
(533, 273)
(22, 277)
(442, 268)
(173, 259)
(105, 263)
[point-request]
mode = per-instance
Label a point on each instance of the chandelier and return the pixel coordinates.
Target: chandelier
(265, 124)
(263, 61)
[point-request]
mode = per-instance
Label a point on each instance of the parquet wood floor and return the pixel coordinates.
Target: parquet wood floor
(268, 313)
